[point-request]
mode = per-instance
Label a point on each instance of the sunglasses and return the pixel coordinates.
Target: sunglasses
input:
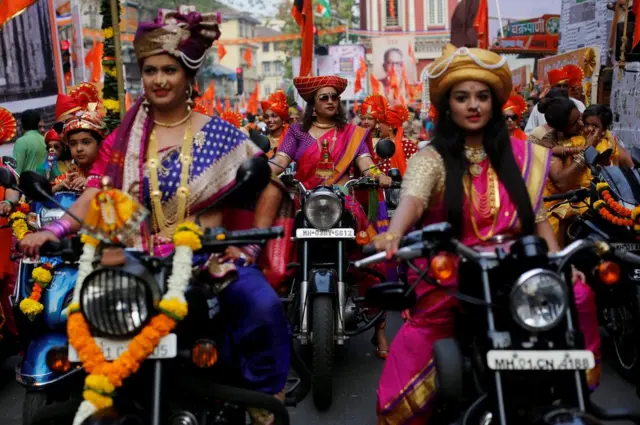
(325, 97)
(510, 118)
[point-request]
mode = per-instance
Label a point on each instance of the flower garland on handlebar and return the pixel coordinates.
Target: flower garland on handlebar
(612, 210)
(41, 277)
(104, 376)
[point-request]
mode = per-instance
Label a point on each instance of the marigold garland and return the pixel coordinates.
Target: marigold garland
(41, 277)
(610, 209)
(18, 221)
(105, 376)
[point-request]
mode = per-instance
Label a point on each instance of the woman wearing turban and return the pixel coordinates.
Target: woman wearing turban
(371, 109)
(275, 113)
(390, 127)
(145, 157)
(468, 88)
(513, 110)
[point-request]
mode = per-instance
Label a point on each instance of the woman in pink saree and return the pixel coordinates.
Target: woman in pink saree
(485, 184)
(326, 148)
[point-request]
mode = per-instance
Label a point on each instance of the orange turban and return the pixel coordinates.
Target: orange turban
(307, 86)
(394, 117)
(232, 117)
(516, 104)
(277, 103)
(52, 136)
(574, 74)
(557, 76)
(374, 106)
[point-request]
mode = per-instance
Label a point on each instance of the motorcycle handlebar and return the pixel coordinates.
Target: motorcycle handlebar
(628, 257)
(578, 194)
(268, 233)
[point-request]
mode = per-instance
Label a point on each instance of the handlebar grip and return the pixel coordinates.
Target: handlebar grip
(396, 185)
(268, 233)
(368, 250)
(50, 248)
(582, 192)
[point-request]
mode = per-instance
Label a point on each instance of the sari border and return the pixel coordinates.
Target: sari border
(414, 398)
(349, 155)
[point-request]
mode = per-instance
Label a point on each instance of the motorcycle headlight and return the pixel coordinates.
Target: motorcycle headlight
(539, 300)
(323, 209)
(119, 301)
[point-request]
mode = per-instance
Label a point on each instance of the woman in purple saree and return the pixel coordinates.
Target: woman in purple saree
(484, 183)
(176, 181)
(326, 148)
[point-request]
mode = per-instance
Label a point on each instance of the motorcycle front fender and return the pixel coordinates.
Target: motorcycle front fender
(323, 281)
(54, 297)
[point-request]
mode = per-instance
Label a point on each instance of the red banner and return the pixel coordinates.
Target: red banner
(538, 43)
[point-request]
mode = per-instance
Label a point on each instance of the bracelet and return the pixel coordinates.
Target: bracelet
(387, 236)
(253, 250)
(375, 171)
(59, 228)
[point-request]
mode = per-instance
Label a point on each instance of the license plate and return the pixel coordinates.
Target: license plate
(111, 349)
(632, 246)
(540, 360)
(325, 234)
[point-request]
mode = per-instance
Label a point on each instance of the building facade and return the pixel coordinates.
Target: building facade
(271, 59)
(414, 16)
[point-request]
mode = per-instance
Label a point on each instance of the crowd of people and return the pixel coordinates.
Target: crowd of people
(479, 170)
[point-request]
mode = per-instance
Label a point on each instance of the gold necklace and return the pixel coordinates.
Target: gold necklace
(153, 163)
(488, 207)
(175, 124)
(323, 126)
(475, 156)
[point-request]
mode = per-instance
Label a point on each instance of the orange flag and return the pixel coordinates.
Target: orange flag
(375, 84)
(394, 83)
(302, 12)
(127, 101)
(356, 106)
(248, 58)
(357, 86)
(363, 64)
(412, 55)
(236, 108)
(481, 24)
(227, 104)
(12, 8)
(221, 52)
(219, 106)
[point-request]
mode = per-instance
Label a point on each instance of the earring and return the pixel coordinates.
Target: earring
(189, 96)
(145, 103)
(314, 113)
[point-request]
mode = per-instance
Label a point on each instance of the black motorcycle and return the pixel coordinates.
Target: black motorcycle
(324, 297)
(181, 382)
(518, 356)
(618, 303)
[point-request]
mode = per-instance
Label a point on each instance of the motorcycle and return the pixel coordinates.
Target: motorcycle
(44, 370)
(517, 329)
(181, 382)
(619, 303)
(323, 298)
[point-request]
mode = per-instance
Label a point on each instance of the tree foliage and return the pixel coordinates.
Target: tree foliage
(342, 11)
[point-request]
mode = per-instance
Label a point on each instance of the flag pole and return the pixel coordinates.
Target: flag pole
(115, 19)
(499, 18)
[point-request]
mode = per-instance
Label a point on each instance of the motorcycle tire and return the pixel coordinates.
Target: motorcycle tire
(323, 348)
(449, 364)
(626, 359)
(33, 402)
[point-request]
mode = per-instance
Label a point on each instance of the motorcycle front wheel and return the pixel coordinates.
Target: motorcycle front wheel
(34, 401)
(322, 347)
(626, 343)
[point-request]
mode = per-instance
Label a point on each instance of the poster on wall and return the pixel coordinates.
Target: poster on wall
(585, 23)
(390, 57)
(520, 78)
(587, 59)
(536, 35)
(346, 61)
(625, 101)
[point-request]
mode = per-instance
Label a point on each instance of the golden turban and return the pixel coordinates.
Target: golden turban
(465, 64)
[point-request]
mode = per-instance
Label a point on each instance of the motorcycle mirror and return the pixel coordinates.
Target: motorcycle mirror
(10, 161)
(591, 156)
(254, 173)
(385, 148)
(7, 178)
(35, 186)
(260, 140)
(392, 296)
(395, 175)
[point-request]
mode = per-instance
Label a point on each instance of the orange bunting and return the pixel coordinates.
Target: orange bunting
(221, 52)
(248, 58)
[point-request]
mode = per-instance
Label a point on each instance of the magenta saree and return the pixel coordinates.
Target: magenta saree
(407, 387)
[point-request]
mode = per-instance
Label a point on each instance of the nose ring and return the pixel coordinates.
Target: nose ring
(162, 82)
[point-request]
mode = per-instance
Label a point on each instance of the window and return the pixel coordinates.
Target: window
(392, 13)
(267, 90)
(436, 12)
(266, 68)
(265, 47)
(278, 66)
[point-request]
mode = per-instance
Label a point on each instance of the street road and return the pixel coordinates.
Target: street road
(356, 380)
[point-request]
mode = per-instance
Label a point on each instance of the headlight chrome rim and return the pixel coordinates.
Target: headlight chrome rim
(123, 301)
(522, 280)
(324, 193)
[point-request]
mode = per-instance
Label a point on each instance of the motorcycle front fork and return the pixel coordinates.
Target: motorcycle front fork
(304, 298)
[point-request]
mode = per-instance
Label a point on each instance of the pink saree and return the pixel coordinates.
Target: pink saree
(407, 387)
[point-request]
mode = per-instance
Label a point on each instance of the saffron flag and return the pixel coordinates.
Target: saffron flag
(323, 9)
(221, 52)
(11, 8)
(636, 31)
(412, 54)
(375, 84)
(481, 24)
(248, 58)
(302, 13)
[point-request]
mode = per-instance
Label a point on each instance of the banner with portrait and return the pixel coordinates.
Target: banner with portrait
(393, 66)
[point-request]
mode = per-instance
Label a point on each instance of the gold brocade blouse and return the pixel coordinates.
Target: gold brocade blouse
(425, 180)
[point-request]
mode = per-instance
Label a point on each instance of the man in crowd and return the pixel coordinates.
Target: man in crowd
(30, 150)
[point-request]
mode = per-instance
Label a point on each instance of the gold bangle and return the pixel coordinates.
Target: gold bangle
(375, 171)
(387, 236)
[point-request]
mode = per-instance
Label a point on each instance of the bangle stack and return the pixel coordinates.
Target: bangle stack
(372, 172)
(59, 228)
(253, 250)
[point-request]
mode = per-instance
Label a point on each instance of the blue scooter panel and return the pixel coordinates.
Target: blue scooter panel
(33, 369)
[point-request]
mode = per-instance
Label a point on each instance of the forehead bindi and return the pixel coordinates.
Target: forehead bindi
(327, 90)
